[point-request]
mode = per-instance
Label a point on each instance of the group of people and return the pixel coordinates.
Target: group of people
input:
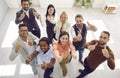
(61, 43)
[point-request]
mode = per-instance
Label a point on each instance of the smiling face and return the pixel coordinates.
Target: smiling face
(64, 39)
(23, 32)
(79, 21)
(25, 5)
(50, 10)
(44, 46)
(103, 39)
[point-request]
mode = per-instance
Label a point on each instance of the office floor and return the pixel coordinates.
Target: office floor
(16, 69)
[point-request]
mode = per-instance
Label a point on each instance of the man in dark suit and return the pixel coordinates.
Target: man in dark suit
(27, 16)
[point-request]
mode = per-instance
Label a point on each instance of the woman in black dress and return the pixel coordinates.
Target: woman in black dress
(50, 22)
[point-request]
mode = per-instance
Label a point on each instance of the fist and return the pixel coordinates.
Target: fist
(30, 43)
(74, 56)
(105, 53)
(59, 58)
(91, 47)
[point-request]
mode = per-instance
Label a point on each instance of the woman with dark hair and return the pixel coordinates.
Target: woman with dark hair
(62, 50)
(50, 23)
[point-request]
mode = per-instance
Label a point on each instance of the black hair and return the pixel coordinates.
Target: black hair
(106, 32)
(61, 34)
(79, 15)
(44, 39)
(25, 0)
(22, 25)
(49, 6)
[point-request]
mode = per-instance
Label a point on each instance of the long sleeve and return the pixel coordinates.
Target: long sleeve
(36, 40)
(111, 60)
(17, 20)
(56, 52)
(72, 48)
(13, 54)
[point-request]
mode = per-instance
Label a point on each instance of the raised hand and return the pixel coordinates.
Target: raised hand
(79, 36)
(44, 66)
(17, 47)
(28, 60)
(105, 53)
(22, 16)
(91, 47)
(35, 13)
(74, 55)
(30, 43)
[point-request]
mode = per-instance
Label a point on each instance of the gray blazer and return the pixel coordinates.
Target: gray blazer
(22, 51)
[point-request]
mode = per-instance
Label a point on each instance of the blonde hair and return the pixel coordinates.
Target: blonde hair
(63, 13)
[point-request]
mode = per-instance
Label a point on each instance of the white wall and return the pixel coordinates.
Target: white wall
(102, 3)
(3, 10)
(57, 3)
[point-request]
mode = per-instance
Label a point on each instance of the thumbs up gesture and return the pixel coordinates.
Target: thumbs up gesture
(105, 53)
(79, 36)
(44, 66)
(22, 15)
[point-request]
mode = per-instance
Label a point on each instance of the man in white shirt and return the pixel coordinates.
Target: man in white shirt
(24, 45)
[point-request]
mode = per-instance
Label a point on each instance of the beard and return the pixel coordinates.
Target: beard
(101, 43)
(26, 9)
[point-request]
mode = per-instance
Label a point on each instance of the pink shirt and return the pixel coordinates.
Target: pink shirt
(62, 50)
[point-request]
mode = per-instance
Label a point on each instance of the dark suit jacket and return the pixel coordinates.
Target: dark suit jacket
(29, 21)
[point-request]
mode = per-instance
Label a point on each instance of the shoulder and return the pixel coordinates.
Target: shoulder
(19, 12)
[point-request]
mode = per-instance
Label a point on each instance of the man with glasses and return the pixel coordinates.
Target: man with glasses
(24, 45)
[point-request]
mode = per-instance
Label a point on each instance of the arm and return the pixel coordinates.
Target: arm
(111, 60)
(14, 52)
(31, 56)
(19, 17)
(73, 35)
(91, 45)
(72, 49)
(56, 52)
(52, 62)
(91, 27)
(35, 39)
(37, 15)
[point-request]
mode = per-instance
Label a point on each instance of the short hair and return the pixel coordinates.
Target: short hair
(63, 33)
(22, 25)
(24, 0)
(79, 16)
(106, 32)
(45, 39)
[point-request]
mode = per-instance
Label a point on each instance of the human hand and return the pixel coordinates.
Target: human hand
(79, 36)
(105, 53)
(30, 42)
(22, 15)
(29, 59)
(35, 13)
(91, 47)
(44, 66)
(74, 55)
(59, 58)
(17, 47)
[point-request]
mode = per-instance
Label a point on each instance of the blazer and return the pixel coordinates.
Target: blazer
(29, 21)
(22, 51)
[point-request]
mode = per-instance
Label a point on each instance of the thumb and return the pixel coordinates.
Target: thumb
(43, 62)
(88, 23)
(78, 32)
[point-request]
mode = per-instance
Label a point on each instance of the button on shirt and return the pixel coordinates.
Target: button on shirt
(41, 57)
